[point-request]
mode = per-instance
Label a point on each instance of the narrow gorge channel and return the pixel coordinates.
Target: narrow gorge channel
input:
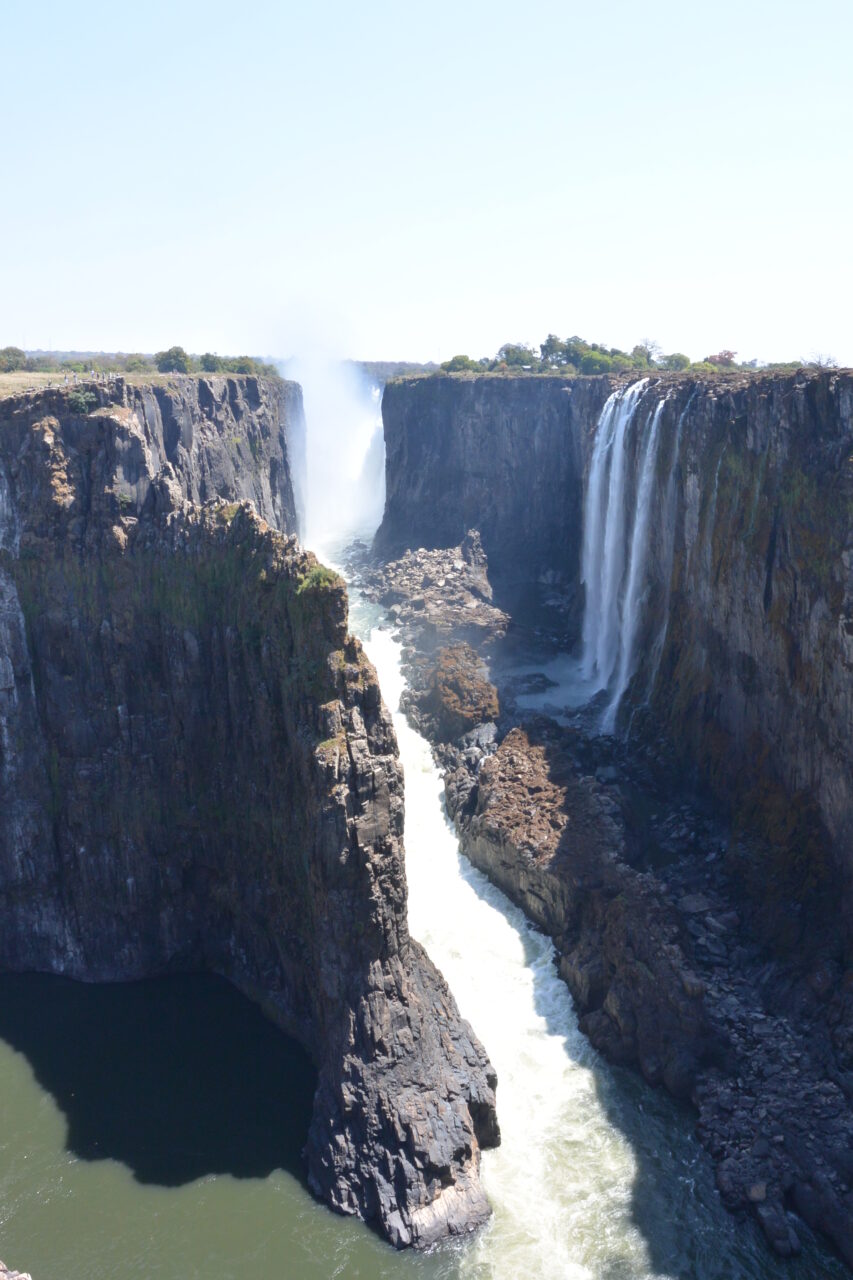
(598, 1176)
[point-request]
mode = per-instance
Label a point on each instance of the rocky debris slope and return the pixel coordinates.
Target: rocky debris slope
(439, 594)
(198, 773)
(637, 879)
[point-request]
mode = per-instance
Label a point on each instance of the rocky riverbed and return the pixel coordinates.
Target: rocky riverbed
(638, 876)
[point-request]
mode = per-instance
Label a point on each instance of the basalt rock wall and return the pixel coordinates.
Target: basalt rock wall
(197, 772)
(744, 643)
(501, 455)
(746, 634)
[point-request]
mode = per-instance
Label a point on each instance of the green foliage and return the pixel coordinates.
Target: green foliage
(461, 364)
(575, 355)
(175, 360)
(211, 363)
(12, 358)
(675, 362)
(517, 355)
(317, 579)
(82, 402)
(137, 363)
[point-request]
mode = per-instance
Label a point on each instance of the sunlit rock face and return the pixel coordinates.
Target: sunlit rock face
(198, 772)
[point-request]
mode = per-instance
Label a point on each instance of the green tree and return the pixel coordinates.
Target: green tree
(211, 363)
(517, 355)
(12, 358)
(459, 364)
(675, 362)
(552, 351)
(175, 360)
(596, 362)
(136, 363)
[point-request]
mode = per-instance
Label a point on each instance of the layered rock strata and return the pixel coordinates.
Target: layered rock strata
(198, 773)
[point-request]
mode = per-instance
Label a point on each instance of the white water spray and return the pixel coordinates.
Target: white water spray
(344, 483)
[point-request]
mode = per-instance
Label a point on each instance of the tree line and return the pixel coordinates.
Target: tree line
(575, 355)
(174, 360)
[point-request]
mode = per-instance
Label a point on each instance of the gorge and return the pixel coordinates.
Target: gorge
(696, 601)
(587, 650)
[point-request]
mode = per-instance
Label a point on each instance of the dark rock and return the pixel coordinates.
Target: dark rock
(197, 773)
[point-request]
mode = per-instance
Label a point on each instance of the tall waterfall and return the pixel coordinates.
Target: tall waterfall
(615, 563)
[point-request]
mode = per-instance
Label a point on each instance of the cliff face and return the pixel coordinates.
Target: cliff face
(706, 937)
(501, 455)
(753, 602)
(744, 638)
(198, 772)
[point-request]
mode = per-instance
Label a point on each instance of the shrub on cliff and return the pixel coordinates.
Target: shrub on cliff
(82, 402)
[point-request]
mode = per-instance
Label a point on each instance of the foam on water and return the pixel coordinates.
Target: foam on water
(560, 1155)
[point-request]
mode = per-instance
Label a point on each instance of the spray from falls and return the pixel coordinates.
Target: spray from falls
(341, 489)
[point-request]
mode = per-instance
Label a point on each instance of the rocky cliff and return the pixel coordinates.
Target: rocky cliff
(744, 643)
(500, 455)
(197, 772)
(684, 832)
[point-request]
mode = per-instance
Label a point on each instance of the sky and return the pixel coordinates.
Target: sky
(390, 181)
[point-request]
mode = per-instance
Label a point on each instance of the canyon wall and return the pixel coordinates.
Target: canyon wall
(744, 628)
(197, 772)
(501, 455)
(746, 642)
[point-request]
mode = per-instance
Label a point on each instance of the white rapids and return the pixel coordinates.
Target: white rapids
(562, 1164)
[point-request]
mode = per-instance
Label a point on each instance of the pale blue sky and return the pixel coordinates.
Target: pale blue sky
(405, 181)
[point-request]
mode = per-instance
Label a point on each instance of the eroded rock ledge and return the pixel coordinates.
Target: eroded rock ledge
(197, 772)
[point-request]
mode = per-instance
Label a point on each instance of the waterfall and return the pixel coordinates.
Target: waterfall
(603, 549)
(636, 582)
(615, 563)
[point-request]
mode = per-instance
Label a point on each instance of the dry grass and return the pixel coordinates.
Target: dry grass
(19, 382)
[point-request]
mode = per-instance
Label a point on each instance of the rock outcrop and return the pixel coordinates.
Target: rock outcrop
(197, 773)
(6, 1274)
